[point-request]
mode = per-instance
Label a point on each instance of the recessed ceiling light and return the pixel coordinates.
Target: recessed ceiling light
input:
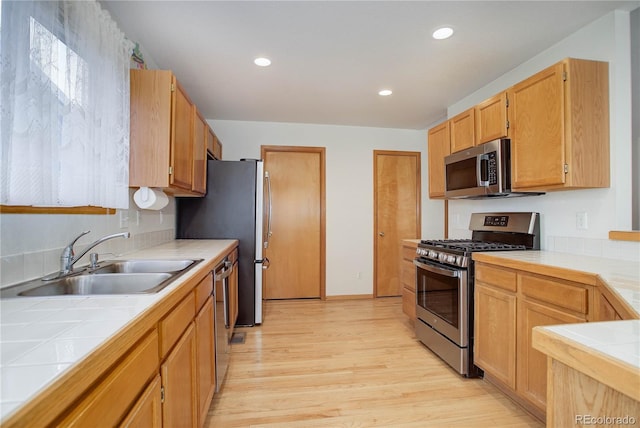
(442, 33)
(262, 62)
(385, 92)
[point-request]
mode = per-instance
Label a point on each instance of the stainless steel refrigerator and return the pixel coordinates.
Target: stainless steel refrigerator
(233, 209)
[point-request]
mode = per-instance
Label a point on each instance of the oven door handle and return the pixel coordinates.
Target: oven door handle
(431, 268)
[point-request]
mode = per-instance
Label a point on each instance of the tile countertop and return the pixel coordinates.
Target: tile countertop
(41, 338)
(616, 341)
(622, 276)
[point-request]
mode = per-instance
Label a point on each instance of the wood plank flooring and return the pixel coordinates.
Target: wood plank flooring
(352, 363)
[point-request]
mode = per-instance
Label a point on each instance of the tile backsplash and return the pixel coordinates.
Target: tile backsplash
(22, 267)
(605, 248)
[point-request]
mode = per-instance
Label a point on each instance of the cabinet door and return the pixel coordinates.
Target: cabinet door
(181, 138)
(147, 412)
(206, 358)
(200, 134)
(438, 148)
(537, 112)
(532, 364)
(180, 383)
(463, 130)
(108, 403)
(150, 128)
(495, 333)
(491, 119)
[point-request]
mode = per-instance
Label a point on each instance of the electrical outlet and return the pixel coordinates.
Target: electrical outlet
(124, 219)
(358, 275)
(582, 221)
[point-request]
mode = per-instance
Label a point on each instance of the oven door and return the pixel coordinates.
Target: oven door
(442, 300)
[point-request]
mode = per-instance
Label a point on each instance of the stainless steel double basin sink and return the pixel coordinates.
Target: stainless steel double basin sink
(111, 277)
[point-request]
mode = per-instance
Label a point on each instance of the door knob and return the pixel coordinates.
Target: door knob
(381, 233)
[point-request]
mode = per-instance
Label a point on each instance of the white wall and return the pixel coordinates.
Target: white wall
(349, 186)
(606, 39)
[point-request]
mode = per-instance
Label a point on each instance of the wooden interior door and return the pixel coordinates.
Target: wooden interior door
(296, 246)
(397, 215)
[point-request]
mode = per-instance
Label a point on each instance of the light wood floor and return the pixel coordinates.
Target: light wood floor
(353, 363)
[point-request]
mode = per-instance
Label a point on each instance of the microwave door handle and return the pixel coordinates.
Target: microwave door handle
(482, 170)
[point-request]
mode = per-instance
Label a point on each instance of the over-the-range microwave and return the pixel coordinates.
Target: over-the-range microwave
(483, 171)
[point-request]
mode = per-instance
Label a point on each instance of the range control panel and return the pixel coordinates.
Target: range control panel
(496, 220)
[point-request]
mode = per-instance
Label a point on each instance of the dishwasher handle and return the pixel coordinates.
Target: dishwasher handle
(223, 270)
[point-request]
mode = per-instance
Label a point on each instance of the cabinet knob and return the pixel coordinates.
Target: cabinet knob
(381, 233)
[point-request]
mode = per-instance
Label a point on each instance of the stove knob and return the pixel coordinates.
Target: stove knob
(433, 255)
(451, 259)
(459, 260)
(442, 257)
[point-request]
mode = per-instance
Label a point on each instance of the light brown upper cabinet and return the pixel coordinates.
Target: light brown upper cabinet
(162, 133)
(463, 132)
(560, 127)
(214, 146)
(491, 118)
(438, 147)
(199, 170)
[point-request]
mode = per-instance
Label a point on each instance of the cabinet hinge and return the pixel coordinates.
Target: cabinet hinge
(173, 87)
(170, 170)
(162, 394)
(566, 168)
(564, 76)
(508, 124)
(507, 101)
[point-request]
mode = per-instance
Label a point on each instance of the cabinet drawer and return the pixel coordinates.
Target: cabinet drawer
(108, 403)
(552, 291)
(408, 272)
(172, 326)
(204, 289)
(408, 253)
(495, 276)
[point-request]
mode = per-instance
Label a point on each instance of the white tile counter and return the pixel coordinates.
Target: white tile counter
(41, 338)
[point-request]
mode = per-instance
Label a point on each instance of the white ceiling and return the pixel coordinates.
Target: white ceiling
(330, 58)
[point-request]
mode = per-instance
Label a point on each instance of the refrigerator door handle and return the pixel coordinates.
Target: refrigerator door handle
(265, 263)
(269, 209)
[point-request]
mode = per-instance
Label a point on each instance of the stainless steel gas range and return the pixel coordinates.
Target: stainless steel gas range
(444, 282)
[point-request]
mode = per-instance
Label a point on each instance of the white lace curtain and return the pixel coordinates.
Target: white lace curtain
(65, 105)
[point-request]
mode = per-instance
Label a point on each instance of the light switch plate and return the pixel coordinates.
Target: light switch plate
(582, 221)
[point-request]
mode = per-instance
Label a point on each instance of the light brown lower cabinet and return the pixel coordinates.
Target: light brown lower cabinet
(110, 400)
(178, 372)
(495, 338)
(531, 363)
(147, 412)
(408, 277)
(206, 363)
(508, 304)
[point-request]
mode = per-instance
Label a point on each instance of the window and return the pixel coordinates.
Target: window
(65, 105)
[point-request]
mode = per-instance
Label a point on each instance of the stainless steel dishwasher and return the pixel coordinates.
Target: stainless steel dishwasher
(222, 328)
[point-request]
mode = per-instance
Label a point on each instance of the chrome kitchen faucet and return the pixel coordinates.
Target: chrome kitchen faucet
(68, 257)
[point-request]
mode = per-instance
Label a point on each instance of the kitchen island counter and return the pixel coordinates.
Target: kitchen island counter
(53, 348)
